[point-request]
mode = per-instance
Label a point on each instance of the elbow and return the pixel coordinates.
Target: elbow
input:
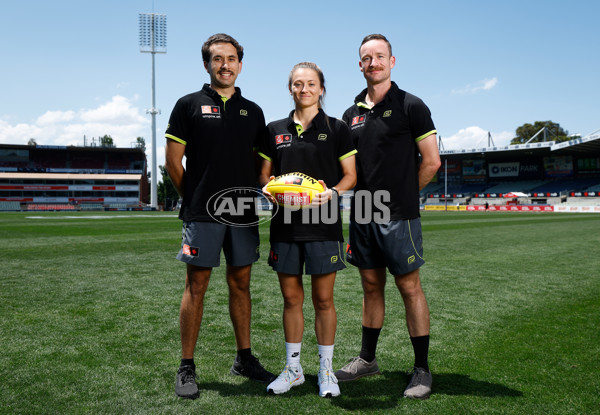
(352, 181)
(432, 163)
(169, 166)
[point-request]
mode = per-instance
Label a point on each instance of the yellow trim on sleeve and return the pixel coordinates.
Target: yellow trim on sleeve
(179, 140)
(345, 156)
(263, 155)
(425, 135)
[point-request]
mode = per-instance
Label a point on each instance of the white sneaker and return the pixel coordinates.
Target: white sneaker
(328, 383)
(291, 376)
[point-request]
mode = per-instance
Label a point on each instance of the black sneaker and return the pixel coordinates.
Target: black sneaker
(252, 369)
(185, 382)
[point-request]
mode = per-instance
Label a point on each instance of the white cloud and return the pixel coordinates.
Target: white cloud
(53, 117)
(117, 118)
(118, 111)
(475, 137)
(23, 131)
(483, 85)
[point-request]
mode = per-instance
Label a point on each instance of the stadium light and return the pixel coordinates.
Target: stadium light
(153, 40)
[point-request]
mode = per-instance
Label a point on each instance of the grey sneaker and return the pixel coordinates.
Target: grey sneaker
(357, 368)
(419, 386)
(185, 383)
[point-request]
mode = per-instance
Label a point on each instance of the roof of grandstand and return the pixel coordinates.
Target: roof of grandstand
(588, 144)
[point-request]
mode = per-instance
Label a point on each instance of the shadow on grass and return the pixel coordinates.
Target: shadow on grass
(253, 388)
(457, 384)
(385, 391)
(377, 392)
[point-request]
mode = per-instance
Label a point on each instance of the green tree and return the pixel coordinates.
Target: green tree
(141, 143)
(106, 141)
(165, 192)
(554, 132)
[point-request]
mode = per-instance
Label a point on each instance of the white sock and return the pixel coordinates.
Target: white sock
(326, 356)
(292, 351)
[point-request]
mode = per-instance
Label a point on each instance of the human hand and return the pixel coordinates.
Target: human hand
(268, 194)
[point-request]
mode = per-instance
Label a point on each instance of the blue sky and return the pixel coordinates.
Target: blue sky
(73, 67)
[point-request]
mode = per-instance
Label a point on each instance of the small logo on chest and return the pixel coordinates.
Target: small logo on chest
(360, 119)
(283, 138)
(210, 109)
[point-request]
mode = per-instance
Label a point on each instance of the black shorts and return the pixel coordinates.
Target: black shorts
(202, 242)
(397, 245)
(317, 257)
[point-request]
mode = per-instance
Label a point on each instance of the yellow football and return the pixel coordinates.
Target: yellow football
(294, 190)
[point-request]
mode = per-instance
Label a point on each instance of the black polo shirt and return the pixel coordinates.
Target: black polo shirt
(316, 152)
(219, 137)
(386, 138)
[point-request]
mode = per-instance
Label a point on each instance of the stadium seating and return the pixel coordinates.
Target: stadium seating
(118, 206)
(595, 188)
(49, 206)
(87, 163)
(562, 185)
(10, 206)
(515, 186)
(91, 206)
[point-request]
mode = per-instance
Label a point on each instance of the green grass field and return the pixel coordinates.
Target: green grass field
(89, 320)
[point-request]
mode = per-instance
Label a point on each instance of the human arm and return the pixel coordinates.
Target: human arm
(265, 177)
(346, 183)
(174, 153)
(430, 160)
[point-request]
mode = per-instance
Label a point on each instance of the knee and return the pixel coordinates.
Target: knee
(239, 286)
(372, 288)
(323, 303)
(238, 283)
(196, 288)
(293, 300)
(409, 288)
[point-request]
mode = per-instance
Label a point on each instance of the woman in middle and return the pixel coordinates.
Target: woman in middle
(310, 142)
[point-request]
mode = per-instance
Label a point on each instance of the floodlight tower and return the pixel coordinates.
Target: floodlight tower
(153, 39)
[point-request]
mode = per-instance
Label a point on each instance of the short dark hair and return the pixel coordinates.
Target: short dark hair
(375, 36)
(220, 38)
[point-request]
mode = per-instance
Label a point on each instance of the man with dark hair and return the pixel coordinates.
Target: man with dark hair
(397, 154)
(217, 130)
(221, 38)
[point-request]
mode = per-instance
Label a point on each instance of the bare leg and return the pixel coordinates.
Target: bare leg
(325, 315)
(373, 282)
(293, 300)
(240, 306)
(417, 311)
(192, 307)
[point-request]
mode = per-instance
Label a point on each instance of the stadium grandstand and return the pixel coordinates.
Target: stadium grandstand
(69, 178)
(541, 176)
